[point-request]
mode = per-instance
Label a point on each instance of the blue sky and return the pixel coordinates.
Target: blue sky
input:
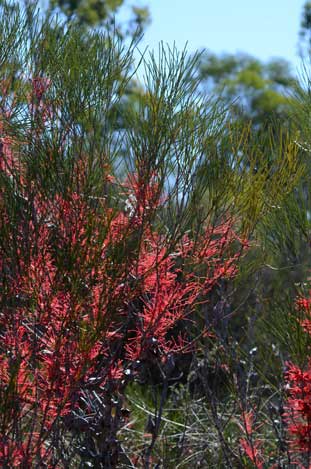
(263, 28)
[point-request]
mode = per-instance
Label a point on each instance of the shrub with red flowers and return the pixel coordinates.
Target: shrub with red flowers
(87, 301)
(97, 278)
(291, 421)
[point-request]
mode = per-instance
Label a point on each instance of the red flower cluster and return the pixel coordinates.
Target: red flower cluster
(299, 407)
(298, 384)
(251, 446)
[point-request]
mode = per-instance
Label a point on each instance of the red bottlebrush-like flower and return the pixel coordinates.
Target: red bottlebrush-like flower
(253, 452)
(298, 408)
(251, 446)
(298, 387)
